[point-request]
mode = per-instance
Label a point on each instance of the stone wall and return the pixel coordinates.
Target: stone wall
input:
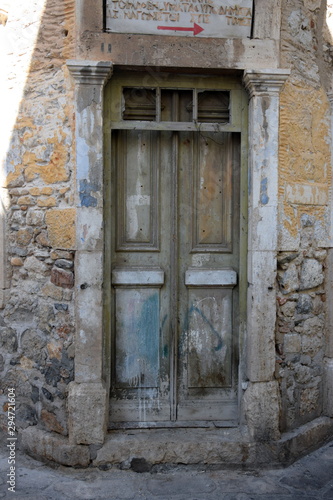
(300, 338)
(304, 209)
(36, 324)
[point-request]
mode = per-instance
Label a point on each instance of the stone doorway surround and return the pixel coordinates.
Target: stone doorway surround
(257, 440)
(88, 394)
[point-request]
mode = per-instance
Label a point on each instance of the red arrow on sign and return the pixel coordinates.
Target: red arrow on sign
(196, 28)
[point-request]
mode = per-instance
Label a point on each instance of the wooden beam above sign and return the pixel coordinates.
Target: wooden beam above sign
(189, 18)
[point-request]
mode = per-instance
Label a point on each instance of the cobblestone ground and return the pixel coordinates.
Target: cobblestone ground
(311, 478)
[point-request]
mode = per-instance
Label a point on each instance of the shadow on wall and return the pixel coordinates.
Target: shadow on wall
(37, 176)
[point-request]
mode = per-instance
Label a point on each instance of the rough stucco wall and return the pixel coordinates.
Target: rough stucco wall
(304, 210)
(37, 325)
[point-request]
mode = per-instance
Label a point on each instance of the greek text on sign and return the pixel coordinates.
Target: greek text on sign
(199, 18)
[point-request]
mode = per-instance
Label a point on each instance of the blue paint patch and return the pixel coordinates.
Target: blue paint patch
(83, 158)
(264, 199)
(165, 351)
(148, 340)
(85, 194)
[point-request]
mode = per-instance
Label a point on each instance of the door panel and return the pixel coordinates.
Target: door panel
(212, 212)
(175, 262)
(137, 175)
(207, 286)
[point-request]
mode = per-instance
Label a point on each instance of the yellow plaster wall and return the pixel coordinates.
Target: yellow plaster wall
(304, 154)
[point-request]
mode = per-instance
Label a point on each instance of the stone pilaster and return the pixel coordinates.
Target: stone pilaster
(88, 391)
(263, 87)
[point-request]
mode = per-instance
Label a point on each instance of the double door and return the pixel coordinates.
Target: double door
(175, 266)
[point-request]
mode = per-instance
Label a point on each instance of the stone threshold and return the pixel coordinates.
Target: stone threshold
(218, 447)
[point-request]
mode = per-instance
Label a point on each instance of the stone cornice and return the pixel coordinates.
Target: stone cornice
(267, 82)
(90, 72)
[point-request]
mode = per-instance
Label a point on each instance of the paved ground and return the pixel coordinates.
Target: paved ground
(311, 478)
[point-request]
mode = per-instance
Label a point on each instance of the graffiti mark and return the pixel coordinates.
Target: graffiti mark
(195, 309)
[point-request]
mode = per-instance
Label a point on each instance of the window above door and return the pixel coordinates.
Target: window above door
(141, 100)
(176, 105)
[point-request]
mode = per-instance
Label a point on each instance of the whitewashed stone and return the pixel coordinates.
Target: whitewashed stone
(261, 405)
(87, 406)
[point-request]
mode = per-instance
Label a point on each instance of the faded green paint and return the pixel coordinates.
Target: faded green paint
(178, 173)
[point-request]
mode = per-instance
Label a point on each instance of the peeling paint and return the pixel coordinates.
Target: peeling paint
(85, 194)
(264, 199)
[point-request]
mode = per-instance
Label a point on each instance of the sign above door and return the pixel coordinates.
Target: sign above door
(190, 18)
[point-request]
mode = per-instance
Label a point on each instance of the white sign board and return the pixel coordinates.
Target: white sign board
(198, 18)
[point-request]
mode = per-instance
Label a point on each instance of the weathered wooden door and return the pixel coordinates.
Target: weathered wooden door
(175, 260)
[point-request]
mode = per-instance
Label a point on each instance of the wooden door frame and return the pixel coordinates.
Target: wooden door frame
(236, 124)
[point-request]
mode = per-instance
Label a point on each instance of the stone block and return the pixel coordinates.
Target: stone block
(43, 240)
(292, 343)
(54, 447)
(186, 446)
(47, 202)
(288, 280)
(24, 237)
(62, 278)
(51, 422)
(16, 261)
(88, 411)
(89, 229)
(310, 400)
(89, 340)
(311, 274)
(304, 304)
(263, 219)
(304, 439)
(34, 265)
(61, 254)
(288, 309)
(61, 227)
(52, 291)
(262, 408)
(64, 263)
(89, 269)
(313, 338)
(261, 316)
